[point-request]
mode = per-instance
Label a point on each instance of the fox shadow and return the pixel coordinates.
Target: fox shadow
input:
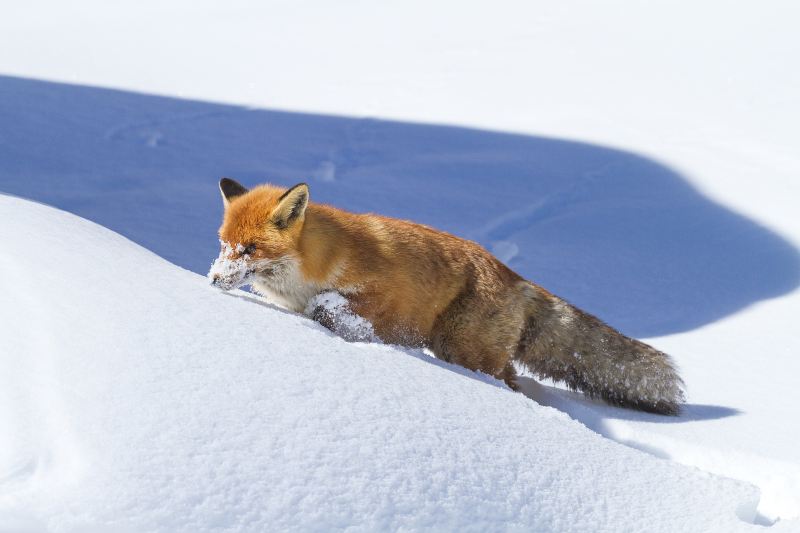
(594, 413)
(620, 235)
(599, 417)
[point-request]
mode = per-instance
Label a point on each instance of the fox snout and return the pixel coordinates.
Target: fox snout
(231, 280)
(227, 273)
(220, 282)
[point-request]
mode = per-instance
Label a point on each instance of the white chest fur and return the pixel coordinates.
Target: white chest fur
(284, 284)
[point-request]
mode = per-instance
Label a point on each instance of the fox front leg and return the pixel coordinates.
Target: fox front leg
(333, 310)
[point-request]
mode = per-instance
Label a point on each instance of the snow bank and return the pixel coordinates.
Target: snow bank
(573, 211)
(690, 227)
(134, 397)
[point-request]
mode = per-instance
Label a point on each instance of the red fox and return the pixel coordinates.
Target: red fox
(414, 285)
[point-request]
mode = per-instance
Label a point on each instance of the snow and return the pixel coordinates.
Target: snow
(226, 272)
(639, 160)
(141, 399)
(333, 310)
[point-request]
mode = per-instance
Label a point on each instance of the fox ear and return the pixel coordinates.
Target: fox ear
(230, 189)
(291, 206)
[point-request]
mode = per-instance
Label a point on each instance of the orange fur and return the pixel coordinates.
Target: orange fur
(421, 286)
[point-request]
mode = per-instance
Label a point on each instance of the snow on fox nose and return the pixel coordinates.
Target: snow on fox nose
(227, 273)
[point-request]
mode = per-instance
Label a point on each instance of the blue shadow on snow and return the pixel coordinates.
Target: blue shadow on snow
(619, 235)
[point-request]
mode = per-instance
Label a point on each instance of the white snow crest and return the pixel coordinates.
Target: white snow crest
(318, 415)
(333, 310)
(227, 273)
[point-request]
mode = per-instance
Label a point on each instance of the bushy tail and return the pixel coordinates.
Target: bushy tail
(563, 343)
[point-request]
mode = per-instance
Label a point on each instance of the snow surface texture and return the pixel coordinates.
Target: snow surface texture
(674, 217)
(182, 408)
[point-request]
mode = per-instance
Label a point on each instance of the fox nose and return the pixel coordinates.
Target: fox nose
(215, 279)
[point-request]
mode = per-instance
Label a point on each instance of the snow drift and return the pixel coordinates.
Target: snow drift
(133, 396)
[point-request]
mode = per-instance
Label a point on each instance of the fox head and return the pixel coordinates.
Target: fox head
(259, 232)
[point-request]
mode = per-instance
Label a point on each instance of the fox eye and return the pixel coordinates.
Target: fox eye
(249, 249)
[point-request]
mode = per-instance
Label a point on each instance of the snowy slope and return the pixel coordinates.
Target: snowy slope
(652, 177)
(140, 399)
(620, 235)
